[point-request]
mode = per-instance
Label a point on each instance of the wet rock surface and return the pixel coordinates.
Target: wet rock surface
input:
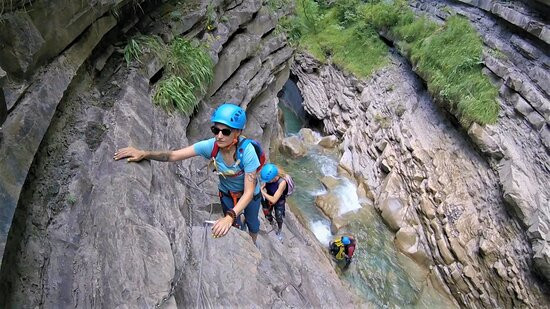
(293, 146)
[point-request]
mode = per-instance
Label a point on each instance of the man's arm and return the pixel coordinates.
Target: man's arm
(248, 194)
(136, 155)
(163, 156)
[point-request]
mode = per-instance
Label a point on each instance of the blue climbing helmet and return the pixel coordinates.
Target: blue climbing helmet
(345, 240)
(269, 171)
(231, 115)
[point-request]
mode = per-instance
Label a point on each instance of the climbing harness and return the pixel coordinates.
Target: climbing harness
(235, 196)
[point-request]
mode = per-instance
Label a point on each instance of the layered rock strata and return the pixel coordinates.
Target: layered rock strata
(430, 184)
(517, 39)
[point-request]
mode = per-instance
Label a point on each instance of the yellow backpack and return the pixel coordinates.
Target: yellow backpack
(341, 248)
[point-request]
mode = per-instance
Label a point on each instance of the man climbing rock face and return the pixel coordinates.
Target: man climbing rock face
(342, 249)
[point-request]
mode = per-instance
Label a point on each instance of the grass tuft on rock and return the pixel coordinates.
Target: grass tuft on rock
(191, 61)
(175, 92)
(447, 56)
(188, 70)
(348, 44)
(450, 60)
(140, 45)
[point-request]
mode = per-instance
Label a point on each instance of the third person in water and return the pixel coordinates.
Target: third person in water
(342, 249)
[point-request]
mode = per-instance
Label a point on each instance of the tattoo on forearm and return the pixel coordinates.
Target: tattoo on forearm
(252, 177)
(159, 155)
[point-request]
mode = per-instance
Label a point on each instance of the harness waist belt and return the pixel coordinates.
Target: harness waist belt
(255, 197)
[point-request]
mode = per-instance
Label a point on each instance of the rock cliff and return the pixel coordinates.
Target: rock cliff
(91, 232)
(473, 201)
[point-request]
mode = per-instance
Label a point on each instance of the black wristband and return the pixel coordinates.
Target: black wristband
(232, 214)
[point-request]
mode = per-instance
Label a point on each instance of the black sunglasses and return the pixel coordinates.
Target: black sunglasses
(217, 130)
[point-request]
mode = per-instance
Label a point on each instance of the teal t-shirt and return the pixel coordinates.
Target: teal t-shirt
(235, 184)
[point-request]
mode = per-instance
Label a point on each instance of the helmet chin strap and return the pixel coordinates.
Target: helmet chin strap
(226, 148)
(234, 142)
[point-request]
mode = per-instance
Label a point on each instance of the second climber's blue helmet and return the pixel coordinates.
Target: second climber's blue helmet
(345, 240)
(231, 115)
(269, 171)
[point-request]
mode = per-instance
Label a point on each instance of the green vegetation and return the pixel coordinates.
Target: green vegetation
(188, 70)
(192, 62)
(356, 49)
(416, 31)
(174, 91)
(140, 45)
(450, 60)
(447, 56)
(275, 5)
(332, 34)
(383, 15)
(71, 199)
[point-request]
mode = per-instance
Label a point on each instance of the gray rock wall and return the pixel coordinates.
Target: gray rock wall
(431, 186)
(517, 147)
(27, 122)
(524, 15)
(509, 234)
(92, 232)
(3, 107)
(42, 29)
